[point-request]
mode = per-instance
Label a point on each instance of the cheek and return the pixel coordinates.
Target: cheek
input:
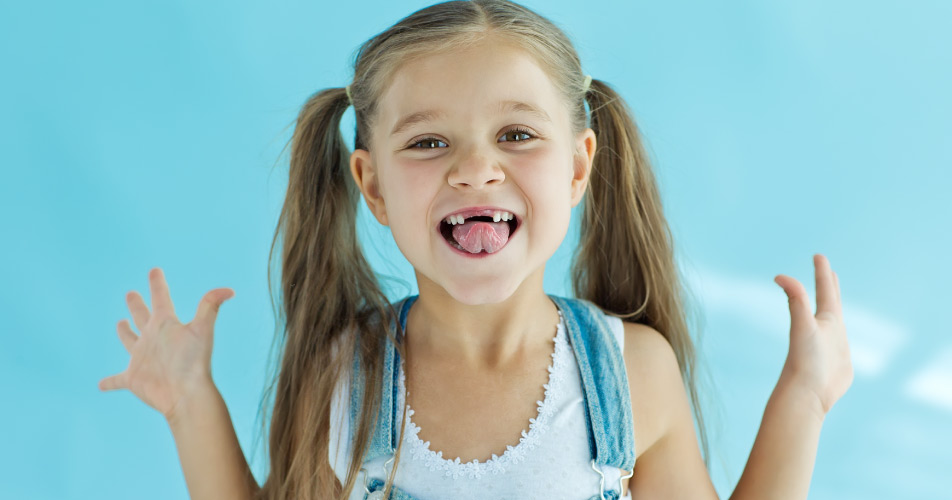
(548, 187)
(407, 200)
(405, 186)
(547, 179)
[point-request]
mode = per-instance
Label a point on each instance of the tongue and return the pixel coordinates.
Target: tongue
(475, 236)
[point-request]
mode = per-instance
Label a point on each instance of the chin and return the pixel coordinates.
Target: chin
(476, 294)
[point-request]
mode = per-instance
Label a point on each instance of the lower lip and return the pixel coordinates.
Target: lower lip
(480, 255)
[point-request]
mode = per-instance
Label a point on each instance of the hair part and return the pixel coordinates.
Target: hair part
(332, 304)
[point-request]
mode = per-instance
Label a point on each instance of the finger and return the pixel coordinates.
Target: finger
(126, 335)
(113, 382)
(209, 305)
(140, 311)
(825, 289)
(839, 300)
(161, 301)
(799, 302)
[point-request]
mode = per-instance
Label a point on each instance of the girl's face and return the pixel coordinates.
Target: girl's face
(475, 128)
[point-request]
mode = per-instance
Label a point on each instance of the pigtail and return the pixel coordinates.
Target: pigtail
(332, 306)
(624, 260)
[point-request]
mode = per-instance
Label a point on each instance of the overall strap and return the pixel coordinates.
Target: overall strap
(384, 439)
(604, 382)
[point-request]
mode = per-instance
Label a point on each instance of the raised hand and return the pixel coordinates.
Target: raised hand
(818, 363)
(169, 360)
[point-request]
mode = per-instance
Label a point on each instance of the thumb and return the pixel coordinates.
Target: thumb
(797, 298)
(209, 305)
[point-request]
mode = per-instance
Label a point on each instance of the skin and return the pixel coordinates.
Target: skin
(481, 330)
(494, 305)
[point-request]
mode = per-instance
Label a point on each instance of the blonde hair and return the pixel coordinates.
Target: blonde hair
(332, 303)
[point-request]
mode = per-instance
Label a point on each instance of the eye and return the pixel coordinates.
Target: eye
(429, 142)
(426, 140)
(518, 131)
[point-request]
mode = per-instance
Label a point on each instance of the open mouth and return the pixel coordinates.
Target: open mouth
(447, 231)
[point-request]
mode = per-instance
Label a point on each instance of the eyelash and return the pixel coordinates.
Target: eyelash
(521, 130)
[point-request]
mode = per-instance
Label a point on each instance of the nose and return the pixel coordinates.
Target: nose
(476, 170)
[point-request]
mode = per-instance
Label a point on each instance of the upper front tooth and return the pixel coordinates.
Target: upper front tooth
(501, 215)
(497, 216)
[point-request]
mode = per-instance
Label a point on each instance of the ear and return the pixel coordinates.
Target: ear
(583, 158)
(365, 175)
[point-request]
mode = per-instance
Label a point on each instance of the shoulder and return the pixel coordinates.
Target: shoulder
(654, 380)
(669, 463)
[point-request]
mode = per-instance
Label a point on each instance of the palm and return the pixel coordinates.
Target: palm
(819, 358)
(165, 357)
(169, 358)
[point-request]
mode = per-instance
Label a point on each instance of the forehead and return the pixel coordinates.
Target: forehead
(483, 80)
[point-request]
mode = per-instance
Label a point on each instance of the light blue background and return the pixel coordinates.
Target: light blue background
(144, 134)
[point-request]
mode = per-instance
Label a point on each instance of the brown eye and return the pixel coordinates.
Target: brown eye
(517, 132)
(429, 142)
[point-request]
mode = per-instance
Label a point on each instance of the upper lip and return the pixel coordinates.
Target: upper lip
(477, 211)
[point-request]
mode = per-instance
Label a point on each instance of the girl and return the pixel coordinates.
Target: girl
(472, 146)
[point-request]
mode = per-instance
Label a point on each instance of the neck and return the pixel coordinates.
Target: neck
(484, 336)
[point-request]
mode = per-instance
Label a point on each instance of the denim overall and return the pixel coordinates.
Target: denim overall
(604, 385)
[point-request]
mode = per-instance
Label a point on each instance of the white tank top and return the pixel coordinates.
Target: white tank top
(551, 460)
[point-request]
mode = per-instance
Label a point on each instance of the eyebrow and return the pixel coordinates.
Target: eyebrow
(432, 114)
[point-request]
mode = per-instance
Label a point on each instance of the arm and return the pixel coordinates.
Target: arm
(816, 374)
(169, 369)
(670, 466)
(212, 460)
(669, 463)
(781, 461)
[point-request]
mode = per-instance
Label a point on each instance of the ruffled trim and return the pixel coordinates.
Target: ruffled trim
(434, 461)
